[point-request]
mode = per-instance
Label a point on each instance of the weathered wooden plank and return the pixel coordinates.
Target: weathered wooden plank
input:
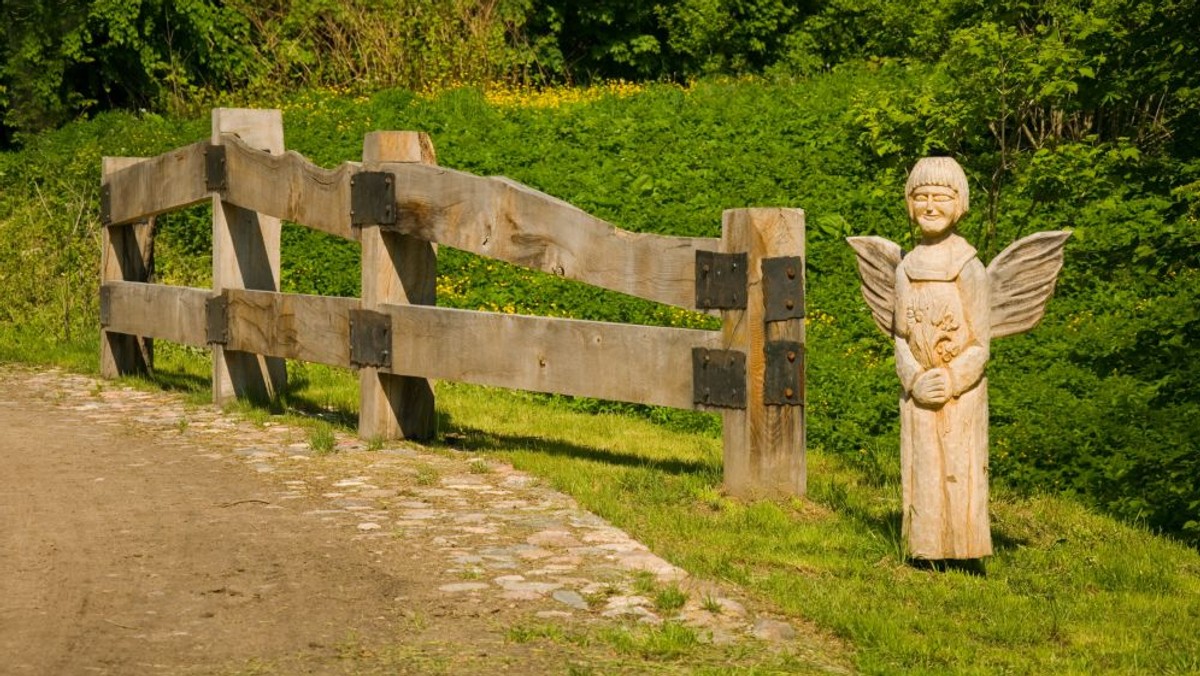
(621, 362)
(174, 313)
(290, 326)
(126, 254)
(289, 187)
(246, 256)
(764, 445)
(396, 269)
(502, 219)
(155, 185)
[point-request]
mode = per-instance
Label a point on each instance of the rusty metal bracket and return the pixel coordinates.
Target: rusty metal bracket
(719, 378)
(216, 316)
(105, 205)
(216, 174)
(783, 384)
(783, 288)
(721, 280)
(105, 305)
(370, 338)
(372, 198)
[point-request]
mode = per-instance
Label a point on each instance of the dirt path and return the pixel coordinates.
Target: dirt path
(141, 535)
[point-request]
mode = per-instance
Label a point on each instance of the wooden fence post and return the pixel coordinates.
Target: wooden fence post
(396, 269)
(126, 254)
(764, 443)
(246, 256)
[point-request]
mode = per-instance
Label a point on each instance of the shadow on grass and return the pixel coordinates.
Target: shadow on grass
(292, 401)
(471, 439)
(178, 381)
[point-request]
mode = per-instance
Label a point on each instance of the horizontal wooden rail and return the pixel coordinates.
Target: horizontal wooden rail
(289, 187)
(174, 313)
(155, 185)
(291, 326)
(492, 217)
(395, 203)
(621, 362)
(508, 221)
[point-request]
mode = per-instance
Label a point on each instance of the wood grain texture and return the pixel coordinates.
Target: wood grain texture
(246, 256)
(290, 326)
(502, 219)
(621, 362)
(1022, 280)
(764, 446)
(877, 261)
(289, 187)
(126, 254)
(148, 187)
(174, 313)
(397, 269)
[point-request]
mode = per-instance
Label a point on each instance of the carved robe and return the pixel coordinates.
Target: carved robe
(942, 321)
(943, 309)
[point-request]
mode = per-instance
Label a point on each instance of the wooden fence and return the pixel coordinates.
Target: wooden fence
(398, 205)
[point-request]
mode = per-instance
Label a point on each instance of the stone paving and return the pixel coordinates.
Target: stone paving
(502, 536)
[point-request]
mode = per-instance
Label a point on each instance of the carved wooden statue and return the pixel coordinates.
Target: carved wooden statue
(943, 308)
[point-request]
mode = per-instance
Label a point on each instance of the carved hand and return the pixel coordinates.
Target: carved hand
(932, 387)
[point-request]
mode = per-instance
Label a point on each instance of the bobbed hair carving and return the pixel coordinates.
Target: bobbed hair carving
(943, 171)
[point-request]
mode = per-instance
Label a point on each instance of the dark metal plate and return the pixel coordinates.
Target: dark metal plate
(106, 205)
(372, 198)
(216, 177)
(783, 288)
(105, 305)
(719, 378)
(370, 338)
(721, 280)
(783, 384)
(216, 311)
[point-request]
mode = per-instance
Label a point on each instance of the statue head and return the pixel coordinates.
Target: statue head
(937, 195)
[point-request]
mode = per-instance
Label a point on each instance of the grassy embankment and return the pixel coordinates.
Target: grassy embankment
(1069, 590)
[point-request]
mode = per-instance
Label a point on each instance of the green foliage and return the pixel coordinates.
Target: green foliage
(364, 45)
(1099, 401)
(61, 59)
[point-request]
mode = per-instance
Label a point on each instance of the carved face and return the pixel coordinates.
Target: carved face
(935, 208)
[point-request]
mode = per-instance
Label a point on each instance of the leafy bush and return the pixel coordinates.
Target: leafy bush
(1099, 401)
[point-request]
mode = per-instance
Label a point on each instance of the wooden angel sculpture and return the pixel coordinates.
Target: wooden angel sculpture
(943, 308)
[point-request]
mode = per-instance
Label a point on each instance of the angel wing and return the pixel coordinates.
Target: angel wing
(1022, 279)
(877, 261)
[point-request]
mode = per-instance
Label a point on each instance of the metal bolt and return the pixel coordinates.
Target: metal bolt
(707, 267)
(791, 355)
(791, 272)
(790, 304)
(789, 392)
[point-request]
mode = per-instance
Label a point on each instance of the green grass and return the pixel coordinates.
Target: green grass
(321, 439)
(1068, 590)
